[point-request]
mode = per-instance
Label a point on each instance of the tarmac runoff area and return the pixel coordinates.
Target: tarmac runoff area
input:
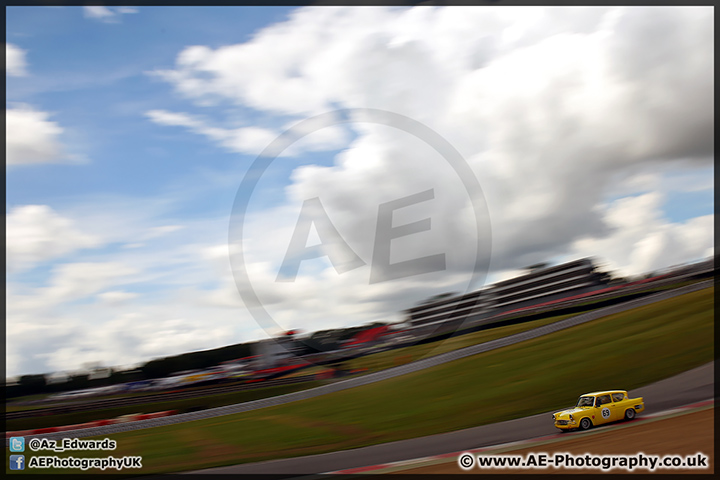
(683, 431)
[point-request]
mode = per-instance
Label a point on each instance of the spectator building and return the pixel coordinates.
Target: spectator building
(540, 284)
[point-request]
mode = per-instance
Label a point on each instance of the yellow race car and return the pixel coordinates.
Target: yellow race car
(598, 408)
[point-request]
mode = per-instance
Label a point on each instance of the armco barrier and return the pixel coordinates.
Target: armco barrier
(384, 374)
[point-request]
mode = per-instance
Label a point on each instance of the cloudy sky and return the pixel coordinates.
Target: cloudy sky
(131, 130)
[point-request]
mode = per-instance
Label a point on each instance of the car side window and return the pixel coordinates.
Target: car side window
(618, 397)
(602, 400)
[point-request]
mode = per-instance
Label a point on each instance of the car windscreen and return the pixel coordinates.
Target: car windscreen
(585, 402)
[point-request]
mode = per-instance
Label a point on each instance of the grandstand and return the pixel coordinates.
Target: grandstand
(450, 309)
(540, 284)
(546, 284)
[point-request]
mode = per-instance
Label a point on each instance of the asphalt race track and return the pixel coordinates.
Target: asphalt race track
(692, 386)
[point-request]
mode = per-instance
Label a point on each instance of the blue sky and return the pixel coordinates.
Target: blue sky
(97, 85)
(130, 130)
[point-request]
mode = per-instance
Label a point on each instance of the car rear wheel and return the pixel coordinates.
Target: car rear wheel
(629, 414)
(585, 423)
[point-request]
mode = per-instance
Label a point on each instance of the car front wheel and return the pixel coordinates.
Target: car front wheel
(629, 414)
(585, 423)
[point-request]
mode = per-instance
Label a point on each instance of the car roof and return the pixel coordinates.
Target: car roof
(602, 392)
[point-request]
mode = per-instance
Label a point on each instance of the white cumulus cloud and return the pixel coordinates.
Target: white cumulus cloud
(551, 107)
(15, 64)
(249, 139)
(243, 140)
(36, 233)
(31, 137)
(642, 240)
(106, 14)
(71, 281)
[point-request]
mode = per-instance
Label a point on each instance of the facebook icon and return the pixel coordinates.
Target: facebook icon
(17, 462)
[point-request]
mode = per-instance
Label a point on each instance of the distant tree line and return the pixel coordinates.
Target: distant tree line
(38, 384)
(162, 367)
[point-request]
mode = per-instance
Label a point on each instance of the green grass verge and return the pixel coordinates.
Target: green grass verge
(392, 358)
(650, 289)
(209, 401)
(625, 350)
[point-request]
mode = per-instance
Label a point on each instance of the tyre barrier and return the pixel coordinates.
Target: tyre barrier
(93, 424)
(381, 375)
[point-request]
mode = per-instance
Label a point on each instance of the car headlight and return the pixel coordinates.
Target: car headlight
(571, 418)
(553, 416)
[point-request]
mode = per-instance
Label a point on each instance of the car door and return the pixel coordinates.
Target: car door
(602, 408)
(617, 408)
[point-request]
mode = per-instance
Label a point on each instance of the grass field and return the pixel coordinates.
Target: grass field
(625, 350)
